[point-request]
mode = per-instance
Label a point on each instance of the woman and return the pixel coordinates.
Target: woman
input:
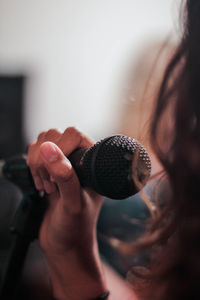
(68, 231)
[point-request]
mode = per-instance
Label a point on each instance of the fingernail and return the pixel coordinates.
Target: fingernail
(49, 152)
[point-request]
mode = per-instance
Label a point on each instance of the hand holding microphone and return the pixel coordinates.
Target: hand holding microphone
(68, 231)
(61, 164)
(115, 167)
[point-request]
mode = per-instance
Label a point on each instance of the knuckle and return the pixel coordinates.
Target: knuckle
(53, 133)
(41, 135)
(74, 135)
(72, 131)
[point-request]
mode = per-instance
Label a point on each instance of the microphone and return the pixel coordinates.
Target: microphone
(116, 167)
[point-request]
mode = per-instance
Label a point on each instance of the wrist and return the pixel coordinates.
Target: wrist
(76, 276)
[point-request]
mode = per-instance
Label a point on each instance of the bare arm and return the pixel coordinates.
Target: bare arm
(68, 231)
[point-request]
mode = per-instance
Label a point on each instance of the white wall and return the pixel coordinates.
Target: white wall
(73, 52)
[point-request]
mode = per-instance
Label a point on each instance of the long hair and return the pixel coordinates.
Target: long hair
(175, 138)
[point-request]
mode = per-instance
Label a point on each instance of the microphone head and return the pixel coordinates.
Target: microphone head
(117, 167)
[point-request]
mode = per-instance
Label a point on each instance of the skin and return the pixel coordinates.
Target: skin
(68, 231)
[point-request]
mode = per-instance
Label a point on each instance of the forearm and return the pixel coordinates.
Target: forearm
(75, 276)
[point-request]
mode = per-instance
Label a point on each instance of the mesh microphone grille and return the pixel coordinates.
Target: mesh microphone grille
(117, 166)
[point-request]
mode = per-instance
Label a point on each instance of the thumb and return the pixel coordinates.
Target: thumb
(63, 174)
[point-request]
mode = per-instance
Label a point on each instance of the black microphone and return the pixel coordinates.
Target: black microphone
(116, 167)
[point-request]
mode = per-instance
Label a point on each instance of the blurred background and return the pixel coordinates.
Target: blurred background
(70, 60)
(93, 64)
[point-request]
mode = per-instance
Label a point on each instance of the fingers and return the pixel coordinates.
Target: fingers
(70, 140)
(62, 172)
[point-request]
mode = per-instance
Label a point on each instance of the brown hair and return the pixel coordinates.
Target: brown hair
(175, 138)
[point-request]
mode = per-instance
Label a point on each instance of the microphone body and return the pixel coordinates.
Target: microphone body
(116, 167)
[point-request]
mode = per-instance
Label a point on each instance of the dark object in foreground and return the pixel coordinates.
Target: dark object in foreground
(116, 167)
